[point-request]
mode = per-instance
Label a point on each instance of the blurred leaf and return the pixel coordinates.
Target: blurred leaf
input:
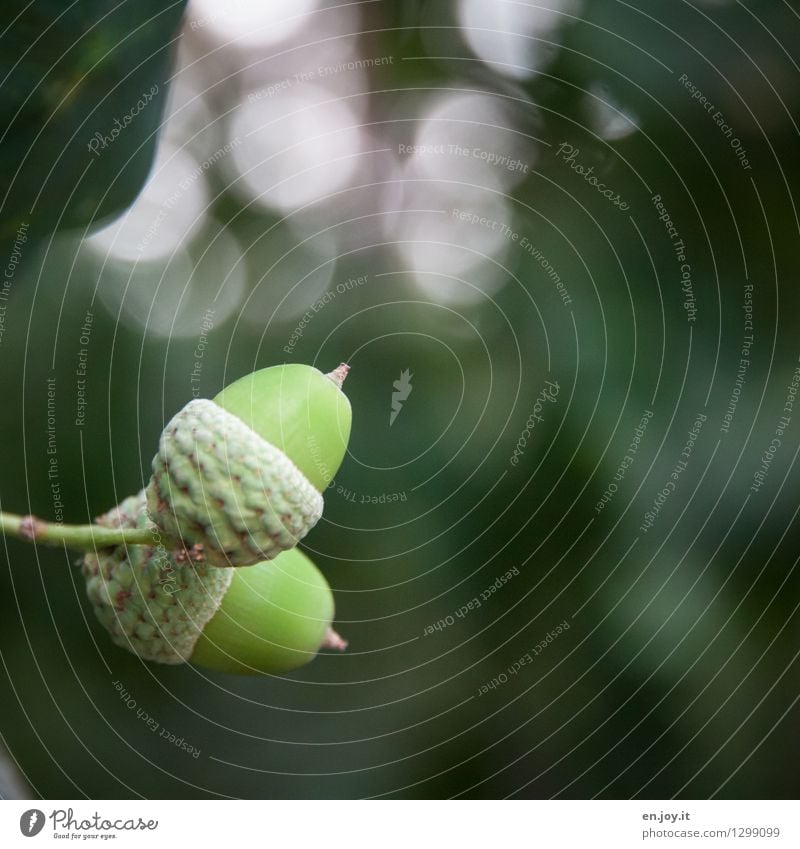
(94, 67)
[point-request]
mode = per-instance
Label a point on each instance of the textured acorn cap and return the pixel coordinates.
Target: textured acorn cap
(219, 484)
(149, 603)
(268, 618)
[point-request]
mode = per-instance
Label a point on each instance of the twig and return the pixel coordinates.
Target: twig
(84, 537)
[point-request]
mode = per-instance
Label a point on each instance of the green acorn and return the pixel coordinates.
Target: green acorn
(175, 607)
(241, 475)
(274, 617)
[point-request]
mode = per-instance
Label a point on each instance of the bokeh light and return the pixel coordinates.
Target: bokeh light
(169, 211)
(295, 147)
(557, 244)
(515, 37)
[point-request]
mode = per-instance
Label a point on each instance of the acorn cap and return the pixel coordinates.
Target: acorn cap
(150, 604)
(172, 607)
(241, 475)
(219, 484)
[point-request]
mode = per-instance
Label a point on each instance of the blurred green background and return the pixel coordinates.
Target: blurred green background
(324, 144)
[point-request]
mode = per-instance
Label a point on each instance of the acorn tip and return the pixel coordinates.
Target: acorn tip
(339, 374)
(334, 641)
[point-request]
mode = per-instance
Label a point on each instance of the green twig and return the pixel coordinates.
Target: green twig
(84, 537)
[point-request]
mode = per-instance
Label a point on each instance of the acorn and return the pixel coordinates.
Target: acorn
(174, 607)
(241, 475)
(274, 617)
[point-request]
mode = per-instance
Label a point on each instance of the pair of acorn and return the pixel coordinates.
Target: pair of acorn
(236, 484)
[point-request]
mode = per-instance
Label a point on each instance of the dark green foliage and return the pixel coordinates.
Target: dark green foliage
(69, 72)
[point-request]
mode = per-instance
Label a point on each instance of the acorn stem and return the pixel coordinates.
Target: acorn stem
(339, 374)
(84, 537)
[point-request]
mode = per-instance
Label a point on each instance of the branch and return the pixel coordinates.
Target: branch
(84, 537)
